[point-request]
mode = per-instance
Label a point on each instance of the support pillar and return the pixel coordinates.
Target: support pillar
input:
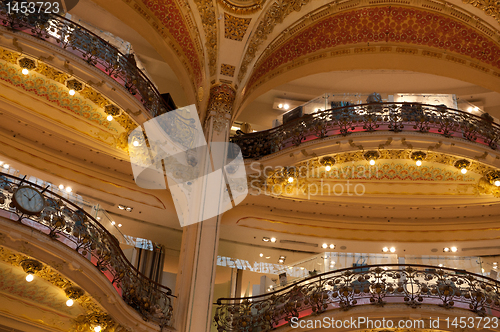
(198, 257)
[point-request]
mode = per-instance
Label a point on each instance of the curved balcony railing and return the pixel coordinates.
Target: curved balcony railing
(344, 289)
(394, 117)
(89, 47)
(65, 222)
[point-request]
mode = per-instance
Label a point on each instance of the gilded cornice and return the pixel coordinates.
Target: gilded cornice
(490, 7)
(322, 15)
(178, 29)
(50, 274)
(50, 83)
(242, 7)
(279, 10)
(206, 9)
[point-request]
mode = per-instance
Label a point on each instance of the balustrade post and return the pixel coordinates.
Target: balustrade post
(198, 258)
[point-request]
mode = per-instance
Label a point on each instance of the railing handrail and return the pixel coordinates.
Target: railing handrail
(98, 224)
(323, 275)
(371, 117)
(291, 123)
(59, 18)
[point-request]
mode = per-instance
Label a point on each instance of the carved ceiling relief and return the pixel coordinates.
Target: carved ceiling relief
(279, 10)
(171, 19)
(209, 22)
(42, 86)
(235, 27)
(227, 70)
(310, 170)
(490, 7)
(382, 24)
(49, 274)
(242, 7)
(220, 105)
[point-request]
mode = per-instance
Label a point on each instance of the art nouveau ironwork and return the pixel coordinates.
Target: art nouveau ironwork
(395, 117)
(344, 289)
(65, 222)
(89, 47)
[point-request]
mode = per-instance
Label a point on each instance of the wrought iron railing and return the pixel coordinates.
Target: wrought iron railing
(344, 289)
(65, 222)
(394, 117)
(89, 47)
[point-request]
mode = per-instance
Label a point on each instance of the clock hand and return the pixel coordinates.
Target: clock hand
(29, 199)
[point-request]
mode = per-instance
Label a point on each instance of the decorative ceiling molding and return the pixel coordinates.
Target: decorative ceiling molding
(490, 8)
(49, 274)
(235, 27)
(392, 24)
(309, 170)
(227, 70)
(48, 82)
(242, 7)
(279, 10)
(166, 17)
(209, 21)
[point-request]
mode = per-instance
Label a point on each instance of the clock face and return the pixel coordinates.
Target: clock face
(29, 200)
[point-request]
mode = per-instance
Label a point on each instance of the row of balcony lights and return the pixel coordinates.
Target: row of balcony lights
(27, 64)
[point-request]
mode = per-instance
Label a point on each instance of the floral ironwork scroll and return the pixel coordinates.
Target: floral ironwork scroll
(395, 117)
(344, 289)
(64, 221)
(89, 47)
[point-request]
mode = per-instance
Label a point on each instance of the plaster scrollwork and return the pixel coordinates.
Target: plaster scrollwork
(279, 10)
(220, 105)
(209, 22)
(490, 7)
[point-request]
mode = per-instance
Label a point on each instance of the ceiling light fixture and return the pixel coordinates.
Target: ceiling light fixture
(324, 246)
(418, 157)
(328, 162)
(135, 143)
(74, 293)
(119, 225)
(332, 246)
(73, 86)
(392, 249)
(261, 255)
(446, 249)
(454, 249)
(494, 178)
(27, 65)
(61, 187)
(68, 189)
(281, 260)
(30, 267)
(462, 165)
(266, 239)
(6, 166)
(286, 106)
(385, 249)
(273, 239)
(280, 105)
(371, 156)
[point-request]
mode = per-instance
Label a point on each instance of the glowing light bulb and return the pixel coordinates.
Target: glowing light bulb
(325, 245)
(286, 106)
(464, 170)
(273, 239)
(109, 118)
(372, 162)
(392, 249)
(61, 187)
(419, 162)
(72, 92)
(68, 189)
(328, 168)
(25, 71)
(280, 105)
(332, 246)
(453, 249)
(446, 249)
(29, 277)
(385, 249)
(136, 143)
(119, 225)
(261, 255)
(6, 166)
(97, 329)
(497, 183)
(290, 179)
(69, 303)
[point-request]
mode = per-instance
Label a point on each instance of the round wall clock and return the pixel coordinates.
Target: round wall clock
(28, 200)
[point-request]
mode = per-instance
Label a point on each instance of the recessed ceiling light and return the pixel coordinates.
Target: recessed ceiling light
(267, 257)
(25, 71)
(135, 143)
(286, 106)
(69, 303)
(440, 265)
(121, 207)
(261, 255)
(119, 225)
(6, 166)
(280, 105)
(72, 92)
(273, 239)
(109, 118)
(112, 223)
(392, 249)
(324, 246)
(385, 249)
(372, 162)
(265, 239)
(453, 249)
(68, 189)
(332, 246)
(497, 183)
(61, 187)
(446, 249)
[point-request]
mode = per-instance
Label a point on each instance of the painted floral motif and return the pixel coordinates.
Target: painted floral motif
(394, 171)
(384, 24)
(53, 93)
(171, 17)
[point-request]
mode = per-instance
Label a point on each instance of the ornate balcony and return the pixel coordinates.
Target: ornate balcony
(97, 52)
(63, 221)
(413, 285)
(395, 117)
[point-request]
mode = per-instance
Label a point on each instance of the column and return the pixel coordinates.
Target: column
(197, 261)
